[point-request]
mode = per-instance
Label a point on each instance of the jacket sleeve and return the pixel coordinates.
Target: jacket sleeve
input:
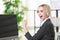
(40, 33)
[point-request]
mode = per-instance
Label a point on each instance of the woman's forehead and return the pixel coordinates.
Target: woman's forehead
(41, 8)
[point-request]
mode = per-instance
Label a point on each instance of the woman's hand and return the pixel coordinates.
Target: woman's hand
(25, 26)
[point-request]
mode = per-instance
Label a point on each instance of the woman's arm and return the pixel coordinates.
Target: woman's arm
(25, 26)
(41, 32)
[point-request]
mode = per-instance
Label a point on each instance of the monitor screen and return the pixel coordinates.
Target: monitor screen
(8, 26)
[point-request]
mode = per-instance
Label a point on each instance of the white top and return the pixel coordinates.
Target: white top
(43, 21)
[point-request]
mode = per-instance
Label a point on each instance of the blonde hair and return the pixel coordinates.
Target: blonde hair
(47, 8)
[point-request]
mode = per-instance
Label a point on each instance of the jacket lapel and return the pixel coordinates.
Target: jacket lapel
(45, 23)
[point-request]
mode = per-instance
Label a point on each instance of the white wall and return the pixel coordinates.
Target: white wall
(1, 7)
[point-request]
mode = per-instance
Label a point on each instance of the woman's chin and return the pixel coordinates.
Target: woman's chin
(41, 19)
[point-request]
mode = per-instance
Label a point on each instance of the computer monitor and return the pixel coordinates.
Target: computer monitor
(8, 27)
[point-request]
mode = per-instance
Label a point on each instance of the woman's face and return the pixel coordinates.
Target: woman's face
(42, 13)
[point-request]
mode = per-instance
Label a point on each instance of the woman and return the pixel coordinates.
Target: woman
(46, 32)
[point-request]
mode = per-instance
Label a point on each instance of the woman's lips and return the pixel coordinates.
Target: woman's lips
(40, 16)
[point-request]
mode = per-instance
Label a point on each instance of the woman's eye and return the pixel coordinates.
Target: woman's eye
(37, 11)
(41, 10)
